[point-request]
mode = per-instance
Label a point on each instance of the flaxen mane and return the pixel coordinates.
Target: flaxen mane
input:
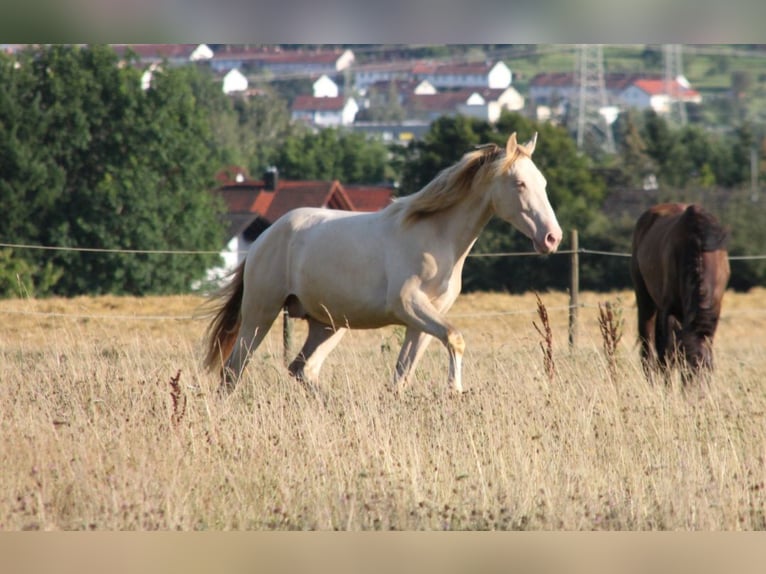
(453, 183)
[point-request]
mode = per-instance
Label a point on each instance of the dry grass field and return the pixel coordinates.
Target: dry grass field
(108, 423)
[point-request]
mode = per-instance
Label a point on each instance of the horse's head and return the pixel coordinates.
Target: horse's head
(519, 196)
(697, 352)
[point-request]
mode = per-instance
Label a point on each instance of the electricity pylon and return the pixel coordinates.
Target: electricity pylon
(674, 74)
(591, 97)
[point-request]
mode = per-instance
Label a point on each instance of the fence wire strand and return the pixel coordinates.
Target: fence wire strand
(581, 250)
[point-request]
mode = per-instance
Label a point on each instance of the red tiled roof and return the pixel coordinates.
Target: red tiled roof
(615, 81)
(248, 200)
(274, 55)
(292, 194)
(469, 68)
(310, 103)
(555, 79)
(246, 197)
(653, 87)
(369, 198)
(402, 85)
(489, 94)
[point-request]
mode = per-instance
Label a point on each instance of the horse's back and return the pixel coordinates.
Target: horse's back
(660, 216)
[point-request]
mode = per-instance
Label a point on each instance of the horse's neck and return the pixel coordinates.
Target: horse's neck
(464, 221)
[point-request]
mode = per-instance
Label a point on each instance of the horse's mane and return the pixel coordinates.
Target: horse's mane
(704, 233)
(453, 184)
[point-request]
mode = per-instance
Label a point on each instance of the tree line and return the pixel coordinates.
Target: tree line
(91, 158)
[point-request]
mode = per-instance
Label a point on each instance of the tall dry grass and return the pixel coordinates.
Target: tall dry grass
(111, 424)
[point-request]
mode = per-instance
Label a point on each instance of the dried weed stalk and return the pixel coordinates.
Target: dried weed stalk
(547, 339)
(179, 399)
(610, 322)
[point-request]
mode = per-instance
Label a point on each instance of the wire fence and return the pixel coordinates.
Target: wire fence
(581, 250)
(572, 307)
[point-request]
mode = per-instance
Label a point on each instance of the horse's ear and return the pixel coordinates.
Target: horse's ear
(511, 145)
(530, 145)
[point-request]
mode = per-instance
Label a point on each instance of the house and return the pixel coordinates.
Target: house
(324, 112)
(548, 89)
(366, 75)
(624, 89)
(484, 103)
(277, 61)
(465, 75)
(369, 197)
(253, 205)
(234, 82)
(324, 87)
(658, 94)
(497, 100)
(384, 92)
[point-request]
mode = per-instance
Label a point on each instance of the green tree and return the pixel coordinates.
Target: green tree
(256, 129)
(634, 161)
(127, 169)
(447, 139)
(333, 154)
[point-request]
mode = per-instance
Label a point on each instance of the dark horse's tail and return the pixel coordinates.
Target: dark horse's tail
(223, 329)
(705, 229)
(704, 233)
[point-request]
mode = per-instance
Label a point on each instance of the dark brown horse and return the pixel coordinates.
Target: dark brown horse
(680, 268)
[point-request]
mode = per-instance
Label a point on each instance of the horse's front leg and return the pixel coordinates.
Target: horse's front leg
(416, 311)
(664, 339)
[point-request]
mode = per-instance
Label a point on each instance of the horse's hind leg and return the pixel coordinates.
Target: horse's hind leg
(413, 347)
(321, 340)
(251, 334)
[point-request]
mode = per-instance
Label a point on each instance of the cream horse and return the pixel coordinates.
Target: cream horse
(402, 265)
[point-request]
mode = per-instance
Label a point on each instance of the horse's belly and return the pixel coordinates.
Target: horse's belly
(348, 312)
(338, 272)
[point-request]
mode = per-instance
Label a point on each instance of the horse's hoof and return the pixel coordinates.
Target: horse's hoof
(225, 389)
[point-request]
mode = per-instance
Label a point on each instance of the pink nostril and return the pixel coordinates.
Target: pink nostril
(551, 240)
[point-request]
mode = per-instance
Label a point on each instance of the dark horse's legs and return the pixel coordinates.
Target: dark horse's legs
(647, 318)
(662, 338)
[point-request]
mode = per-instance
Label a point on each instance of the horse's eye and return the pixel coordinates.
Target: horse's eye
(521, 185)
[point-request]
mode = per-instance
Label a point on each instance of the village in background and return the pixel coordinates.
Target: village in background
(396, 94)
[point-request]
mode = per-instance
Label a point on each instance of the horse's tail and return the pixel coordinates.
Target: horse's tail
(707, 232)
(222, 332)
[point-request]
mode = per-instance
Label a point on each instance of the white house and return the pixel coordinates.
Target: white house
(624, 89)
(200, 53)
(499, 99)
(483, 74)
(484, 103)
(657, 94)
(366, 75)
(234, 81)
(324, 87)
(275, 60)
(324, 112)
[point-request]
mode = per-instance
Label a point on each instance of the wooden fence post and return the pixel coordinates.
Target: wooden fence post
(574, 291)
